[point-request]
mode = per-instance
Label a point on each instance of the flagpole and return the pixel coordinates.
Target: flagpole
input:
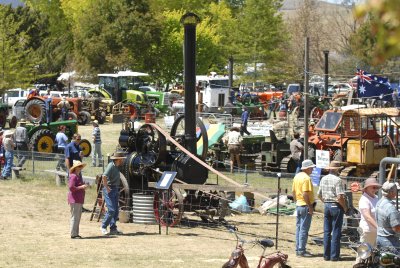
(306, 95)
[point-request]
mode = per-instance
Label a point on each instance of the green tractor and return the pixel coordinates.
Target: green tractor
(42, 137)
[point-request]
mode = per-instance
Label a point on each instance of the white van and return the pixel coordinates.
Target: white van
(12, 95)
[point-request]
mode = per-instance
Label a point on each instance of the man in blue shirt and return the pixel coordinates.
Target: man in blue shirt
(388, 217)
(73, 151)
(245, 118)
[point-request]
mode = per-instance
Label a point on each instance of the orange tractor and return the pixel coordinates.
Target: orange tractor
(35, 109)
(359, 138)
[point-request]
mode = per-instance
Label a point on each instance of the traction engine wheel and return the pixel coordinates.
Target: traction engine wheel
(86, 147)
(168, 207)
(178, 133)
(151, 145)
(124, 195)
(72, 116)
(101, 116)
(35, 110)
(43, 141)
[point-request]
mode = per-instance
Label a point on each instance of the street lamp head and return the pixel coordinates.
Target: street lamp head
(190, 19)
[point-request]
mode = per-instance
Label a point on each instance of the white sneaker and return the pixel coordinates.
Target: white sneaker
(104, 231)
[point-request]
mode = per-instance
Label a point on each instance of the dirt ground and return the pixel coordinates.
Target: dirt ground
(34, 232)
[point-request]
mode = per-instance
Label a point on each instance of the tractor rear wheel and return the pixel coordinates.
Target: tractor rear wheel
(72, 116)
(86, 147)
(42, 141)
(35, 110)
(13, 122)
(83, 118)
(101, 116)
(3, 119)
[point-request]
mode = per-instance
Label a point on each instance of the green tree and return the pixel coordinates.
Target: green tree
(260, 35)
(16, 56)
(383, 22)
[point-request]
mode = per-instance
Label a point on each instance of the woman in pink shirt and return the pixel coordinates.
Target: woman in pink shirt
(76, 196)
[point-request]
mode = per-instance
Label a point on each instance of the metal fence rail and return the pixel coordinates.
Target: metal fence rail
(37, 163)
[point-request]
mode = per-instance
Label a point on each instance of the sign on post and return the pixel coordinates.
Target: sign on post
(322, 158)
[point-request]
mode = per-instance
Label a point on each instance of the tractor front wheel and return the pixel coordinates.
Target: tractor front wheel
(13, 122)
(42, 141)
(83, 118)
(86, 147)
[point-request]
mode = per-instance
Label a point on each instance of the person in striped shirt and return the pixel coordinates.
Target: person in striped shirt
(96, 138)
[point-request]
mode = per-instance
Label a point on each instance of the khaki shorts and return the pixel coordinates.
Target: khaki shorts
(234, 149)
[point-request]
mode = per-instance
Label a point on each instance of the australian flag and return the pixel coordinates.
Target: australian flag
(373, 86)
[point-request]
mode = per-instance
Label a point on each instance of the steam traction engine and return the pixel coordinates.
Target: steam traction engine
(152, 151)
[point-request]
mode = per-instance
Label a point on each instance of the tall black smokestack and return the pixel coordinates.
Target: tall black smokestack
(190, 21)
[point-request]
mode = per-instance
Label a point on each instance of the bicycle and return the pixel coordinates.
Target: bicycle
(238, 259)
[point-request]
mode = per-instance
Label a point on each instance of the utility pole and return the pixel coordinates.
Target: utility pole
(326, 74)
(306, 94)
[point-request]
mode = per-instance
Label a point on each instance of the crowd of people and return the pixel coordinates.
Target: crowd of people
(380, 220)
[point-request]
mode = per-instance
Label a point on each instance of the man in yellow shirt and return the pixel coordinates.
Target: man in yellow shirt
(303, 194)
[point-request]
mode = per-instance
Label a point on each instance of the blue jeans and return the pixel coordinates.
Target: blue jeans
(333, 221)
(387, 241)
(111, 200)
(8, 158)
(303, 223)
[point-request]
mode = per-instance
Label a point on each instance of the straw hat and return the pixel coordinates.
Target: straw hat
(22, 121)
(96, 123)
(370, 182)
(307, 164)
(118, 155)
(76, 164)
(9, 132)
(335, 165)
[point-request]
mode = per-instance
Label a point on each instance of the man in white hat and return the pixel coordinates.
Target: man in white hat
(96, 138)
(388, 217)
(21, 140)
(331, 192)
(8, 143)
(111, 181)
(303, 194)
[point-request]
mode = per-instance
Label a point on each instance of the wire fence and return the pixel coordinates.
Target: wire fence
(37, 163)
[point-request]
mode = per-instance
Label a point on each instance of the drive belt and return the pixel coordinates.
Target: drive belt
(198, 160)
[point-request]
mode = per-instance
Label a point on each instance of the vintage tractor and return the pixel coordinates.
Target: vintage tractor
(35, 109)
(42, 137)
(274, 155)
(358, 138)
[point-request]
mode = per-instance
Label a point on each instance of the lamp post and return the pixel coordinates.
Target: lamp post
(326, 53)
(189, 22)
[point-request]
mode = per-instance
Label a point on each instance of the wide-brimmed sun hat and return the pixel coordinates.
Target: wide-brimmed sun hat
(118, 155)
(76, 164)
(307, 164)
(334, 165)
(371, 182)
(95, 122)
(388, 186)
(22, 121)
(9, 132)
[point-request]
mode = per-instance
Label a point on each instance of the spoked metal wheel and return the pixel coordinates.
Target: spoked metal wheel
(178, 134)
(168, 207)
(151, 145)
(124, 196)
